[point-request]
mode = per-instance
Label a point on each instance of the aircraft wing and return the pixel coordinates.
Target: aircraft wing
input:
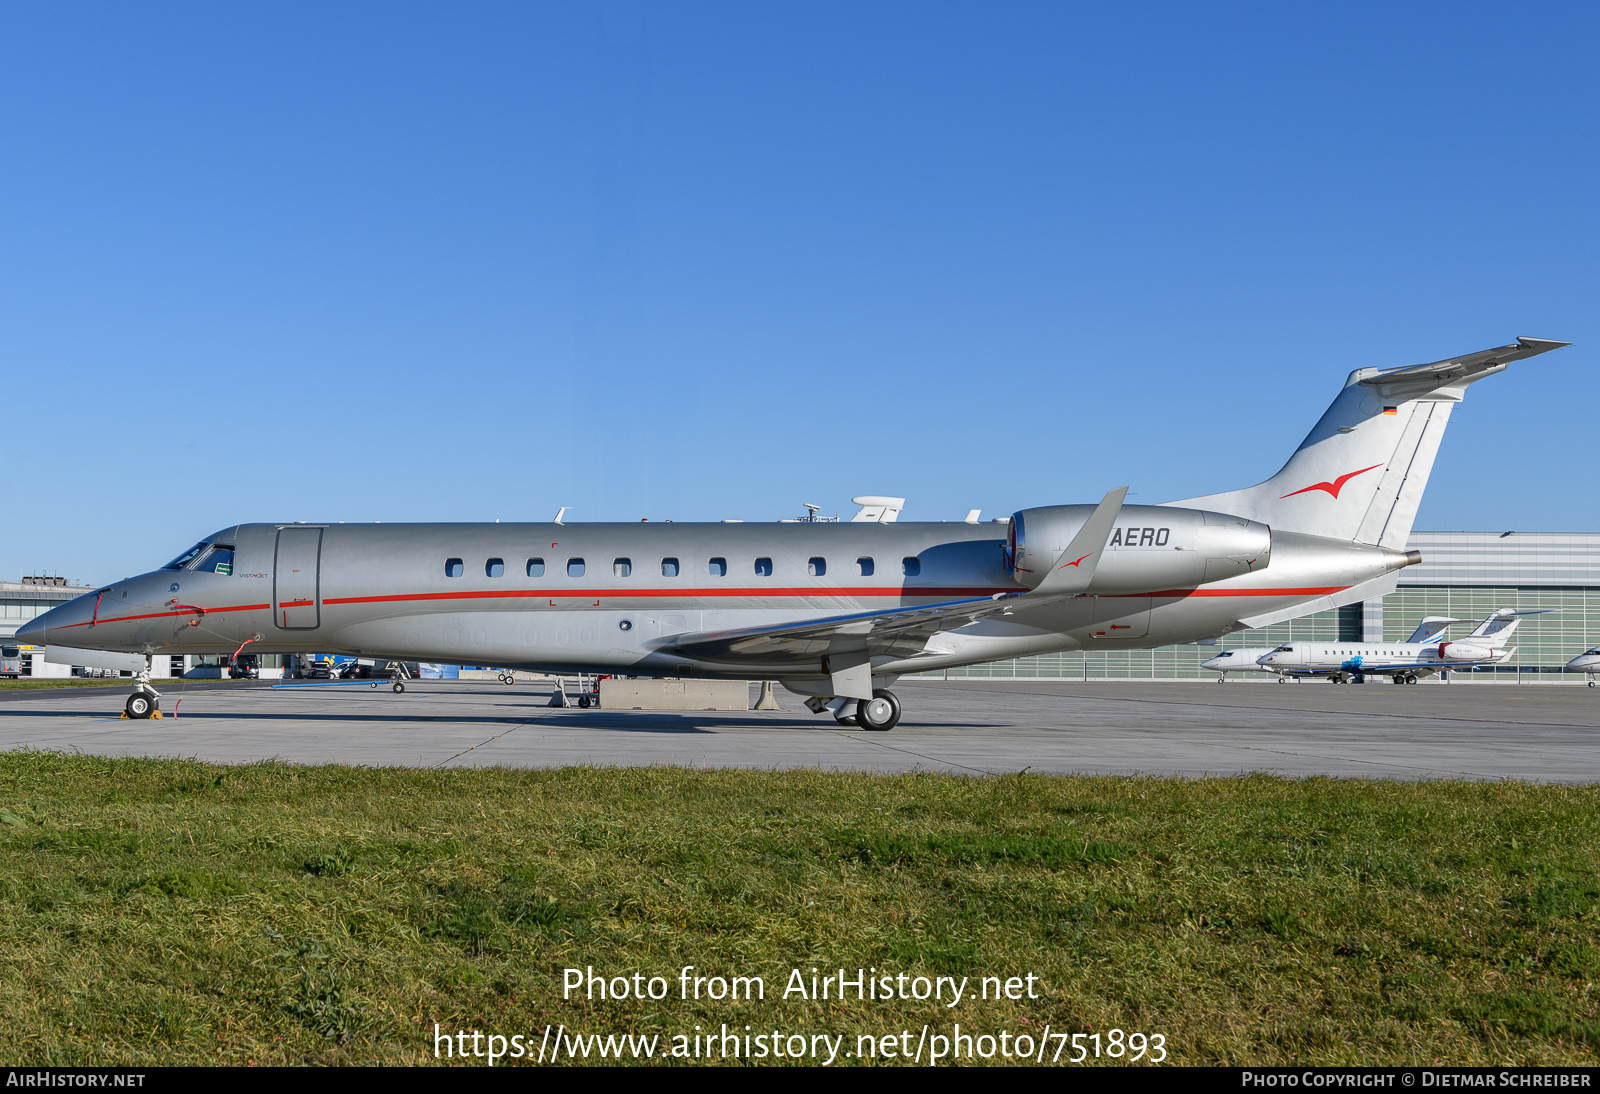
(849, 642)
(889, 631)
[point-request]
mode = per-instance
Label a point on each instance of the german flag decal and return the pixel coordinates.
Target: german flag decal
(1391, 410)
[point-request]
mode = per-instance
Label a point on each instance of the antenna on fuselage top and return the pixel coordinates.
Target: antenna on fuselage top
(561, 513)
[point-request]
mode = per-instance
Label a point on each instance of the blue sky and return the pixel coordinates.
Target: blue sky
(694, 261)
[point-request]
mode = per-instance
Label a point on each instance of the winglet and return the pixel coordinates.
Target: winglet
(1074, 570)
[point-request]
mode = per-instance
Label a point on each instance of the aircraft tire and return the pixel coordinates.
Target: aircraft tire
(881, 713)
(1411, 678)
(398, 687)
(583, 701)
(140, 705)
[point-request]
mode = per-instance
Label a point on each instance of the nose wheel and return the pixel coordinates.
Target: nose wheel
(142, 704)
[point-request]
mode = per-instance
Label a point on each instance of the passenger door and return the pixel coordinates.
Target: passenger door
(296, 596)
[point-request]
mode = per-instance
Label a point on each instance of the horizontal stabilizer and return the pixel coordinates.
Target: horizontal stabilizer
(1447, 378)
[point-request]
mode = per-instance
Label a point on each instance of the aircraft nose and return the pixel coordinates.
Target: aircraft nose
(42, 629)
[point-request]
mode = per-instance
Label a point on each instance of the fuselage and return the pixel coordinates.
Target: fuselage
(1371, 658)
(612, 597)
(1239, 660)
(1587, 661)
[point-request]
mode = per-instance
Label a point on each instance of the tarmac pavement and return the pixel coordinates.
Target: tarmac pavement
(1540, 733)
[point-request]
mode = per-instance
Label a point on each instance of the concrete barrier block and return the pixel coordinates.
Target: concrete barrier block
(674, 695)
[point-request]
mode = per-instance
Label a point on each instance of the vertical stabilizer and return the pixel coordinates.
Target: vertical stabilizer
(1360, 472)
(1498, 627)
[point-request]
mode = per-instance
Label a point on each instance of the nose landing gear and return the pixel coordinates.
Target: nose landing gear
(145, 702)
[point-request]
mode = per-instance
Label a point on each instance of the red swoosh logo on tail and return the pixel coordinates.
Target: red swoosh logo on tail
(1331, 487)
(1064, 565)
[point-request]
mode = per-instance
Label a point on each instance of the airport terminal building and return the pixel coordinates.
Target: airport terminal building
(1465, 575)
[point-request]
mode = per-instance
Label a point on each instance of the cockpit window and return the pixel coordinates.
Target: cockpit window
(219, 561)
(1228, 654)
(1284, 649)
(183, 560)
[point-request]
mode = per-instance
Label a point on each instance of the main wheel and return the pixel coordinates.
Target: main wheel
(398, 687)
(880, 713)
(583, 701)
(1411, 678)
(140, 705)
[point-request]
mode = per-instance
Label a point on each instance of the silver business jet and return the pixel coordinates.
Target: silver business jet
(1588, 661)
(1239, 660)
(834, 611)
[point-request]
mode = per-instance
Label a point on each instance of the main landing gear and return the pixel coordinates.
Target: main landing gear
(1404, 678)
(879, 714)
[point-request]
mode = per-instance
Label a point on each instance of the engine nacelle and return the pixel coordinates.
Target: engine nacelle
(1462, 651)
(1152, 547)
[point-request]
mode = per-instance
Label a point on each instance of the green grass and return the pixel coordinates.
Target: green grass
(171, 912)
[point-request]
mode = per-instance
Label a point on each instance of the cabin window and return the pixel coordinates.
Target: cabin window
(669, 567)
(453, 567)
(495, 567)
(911, 567)
(763, 567)
(622, 567)
(717, 567)
(816, 567)
(865, 566)
(574, 567)
(219, 561)
(536, 567)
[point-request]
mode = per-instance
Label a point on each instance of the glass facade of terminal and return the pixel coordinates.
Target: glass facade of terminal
(1464, 575)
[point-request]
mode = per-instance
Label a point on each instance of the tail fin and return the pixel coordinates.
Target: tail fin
(1360, 473)
(1431, 627)
(1498, 627)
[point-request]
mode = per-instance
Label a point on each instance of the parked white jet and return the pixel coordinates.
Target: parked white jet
(1588, 661)
(1242, 660)
(1424, 653)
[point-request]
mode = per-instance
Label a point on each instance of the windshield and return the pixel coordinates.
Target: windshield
(219, 561)
(1284, 649)
(10, 651)
(187, 557)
